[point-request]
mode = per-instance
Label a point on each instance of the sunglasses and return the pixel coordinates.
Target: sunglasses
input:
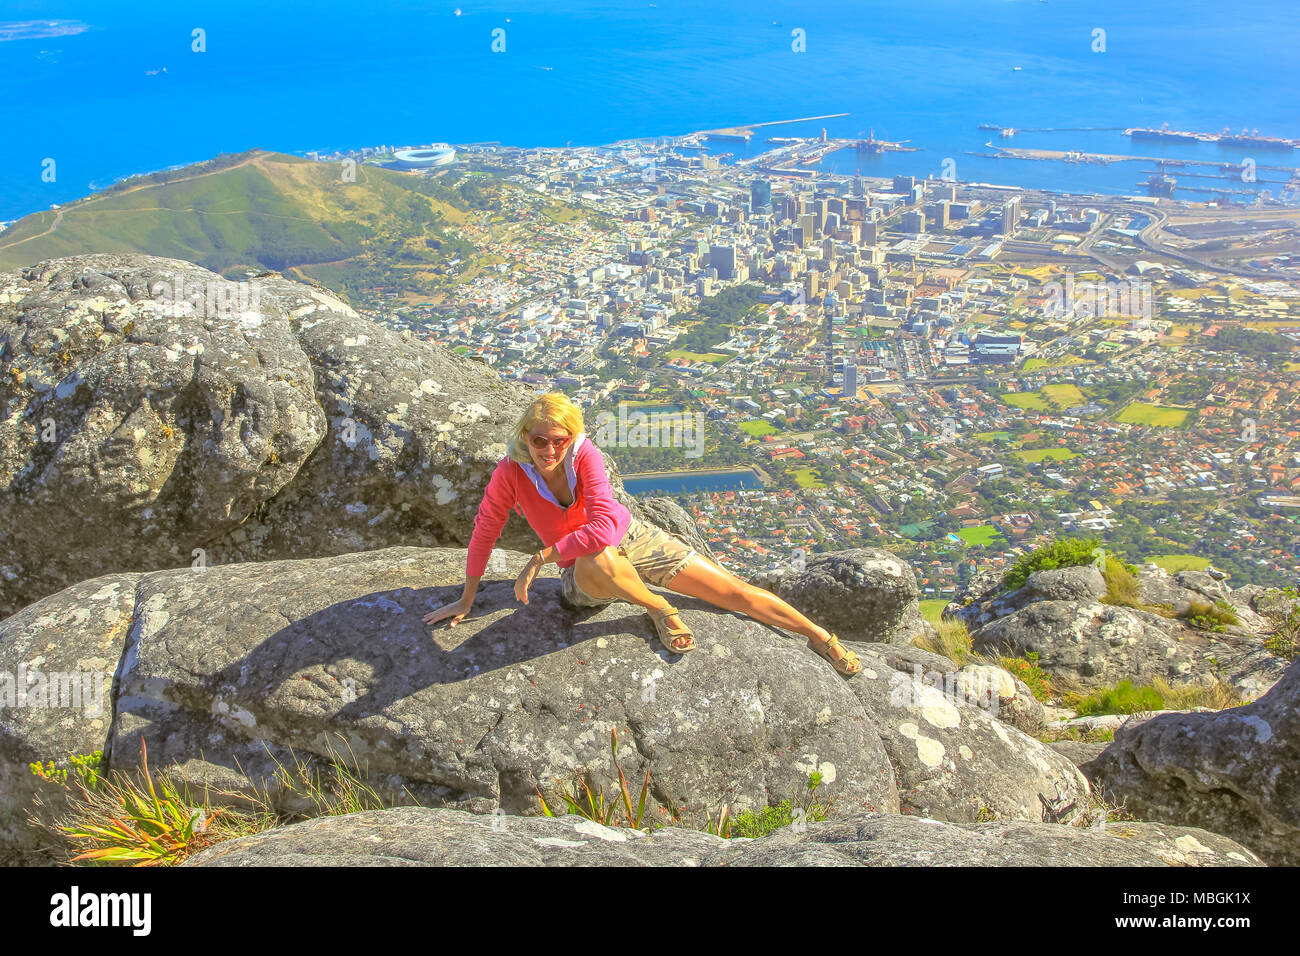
(541, 444)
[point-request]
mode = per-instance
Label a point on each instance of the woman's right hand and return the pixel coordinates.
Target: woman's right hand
(455, 610)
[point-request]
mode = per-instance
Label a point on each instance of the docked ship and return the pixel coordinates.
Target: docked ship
(1160, 185)
(1166, 134)
(1252, 138)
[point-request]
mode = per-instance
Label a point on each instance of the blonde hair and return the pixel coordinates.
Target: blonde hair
(553, 408)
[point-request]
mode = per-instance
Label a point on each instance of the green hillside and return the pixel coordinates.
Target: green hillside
(269, 211)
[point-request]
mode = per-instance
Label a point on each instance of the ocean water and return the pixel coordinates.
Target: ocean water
(294, 76)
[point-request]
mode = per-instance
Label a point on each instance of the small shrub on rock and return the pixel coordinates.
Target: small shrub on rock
(1063, 553)
(1027, 669)
(1282, 610)
(1210, 617)
(1123, 698)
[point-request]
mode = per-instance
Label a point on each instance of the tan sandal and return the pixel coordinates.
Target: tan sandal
(670, 636)
(847, 664)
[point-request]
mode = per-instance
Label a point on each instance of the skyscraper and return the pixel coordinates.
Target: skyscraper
(939, 213)
(850, 390)
(1010, 216)
(808, 223)
(760, 195)
(723, 258)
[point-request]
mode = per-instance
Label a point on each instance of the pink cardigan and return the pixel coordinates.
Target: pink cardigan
(593, 522)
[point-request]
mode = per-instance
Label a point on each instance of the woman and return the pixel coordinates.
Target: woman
(555, 477)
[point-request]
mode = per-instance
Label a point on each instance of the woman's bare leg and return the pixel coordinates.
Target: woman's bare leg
(608, 574)
(703, 579)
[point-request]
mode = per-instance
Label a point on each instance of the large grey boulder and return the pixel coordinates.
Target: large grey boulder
(1236, 771)
(224, 671)
(987, 686)
(862, 594)
(154, 415)
(1078, 752)
(952, 759)
(1081, 584)
(412, 836)
(1093, 645)
(56, 690)
(1180, 590)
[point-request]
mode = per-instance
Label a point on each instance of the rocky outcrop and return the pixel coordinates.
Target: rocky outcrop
(1157, 586)
(1236, 772)
(1083, 584)
(1078, 752)
(953, 760)
(988, 687)
(56, 688)
(1095, 645)
(412, 836)
(862, 594)
(155, 415)
(223, 671)
(226, 670)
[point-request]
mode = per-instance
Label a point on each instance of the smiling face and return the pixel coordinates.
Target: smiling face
(548, 458)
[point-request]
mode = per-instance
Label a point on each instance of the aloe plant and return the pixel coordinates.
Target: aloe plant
(581, 801)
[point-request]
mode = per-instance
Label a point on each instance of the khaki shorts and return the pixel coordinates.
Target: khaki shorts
(656, 555)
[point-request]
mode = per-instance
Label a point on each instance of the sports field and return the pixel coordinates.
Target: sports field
(1065, 396)
(808, 478)
(1035, 455)
(1140, 413)
(1179, 562)
(711, 357)
(980, 536)
(757, 427)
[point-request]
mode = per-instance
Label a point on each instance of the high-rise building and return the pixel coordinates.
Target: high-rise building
(938, 212)
(760, 195)
(850, 390)
(870, 233)
(723, 258)
(913, 221)
(1010, 216)
(808, 223)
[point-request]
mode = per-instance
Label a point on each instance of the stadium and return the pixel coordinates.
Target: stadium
(424, 157)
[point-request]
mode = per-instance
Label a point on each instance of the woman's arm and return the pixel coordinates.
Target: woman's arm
(607, 520)
(493, 510)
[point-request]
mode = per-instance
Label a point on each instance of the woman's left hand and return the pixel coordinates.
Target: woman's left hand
(526, 578)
